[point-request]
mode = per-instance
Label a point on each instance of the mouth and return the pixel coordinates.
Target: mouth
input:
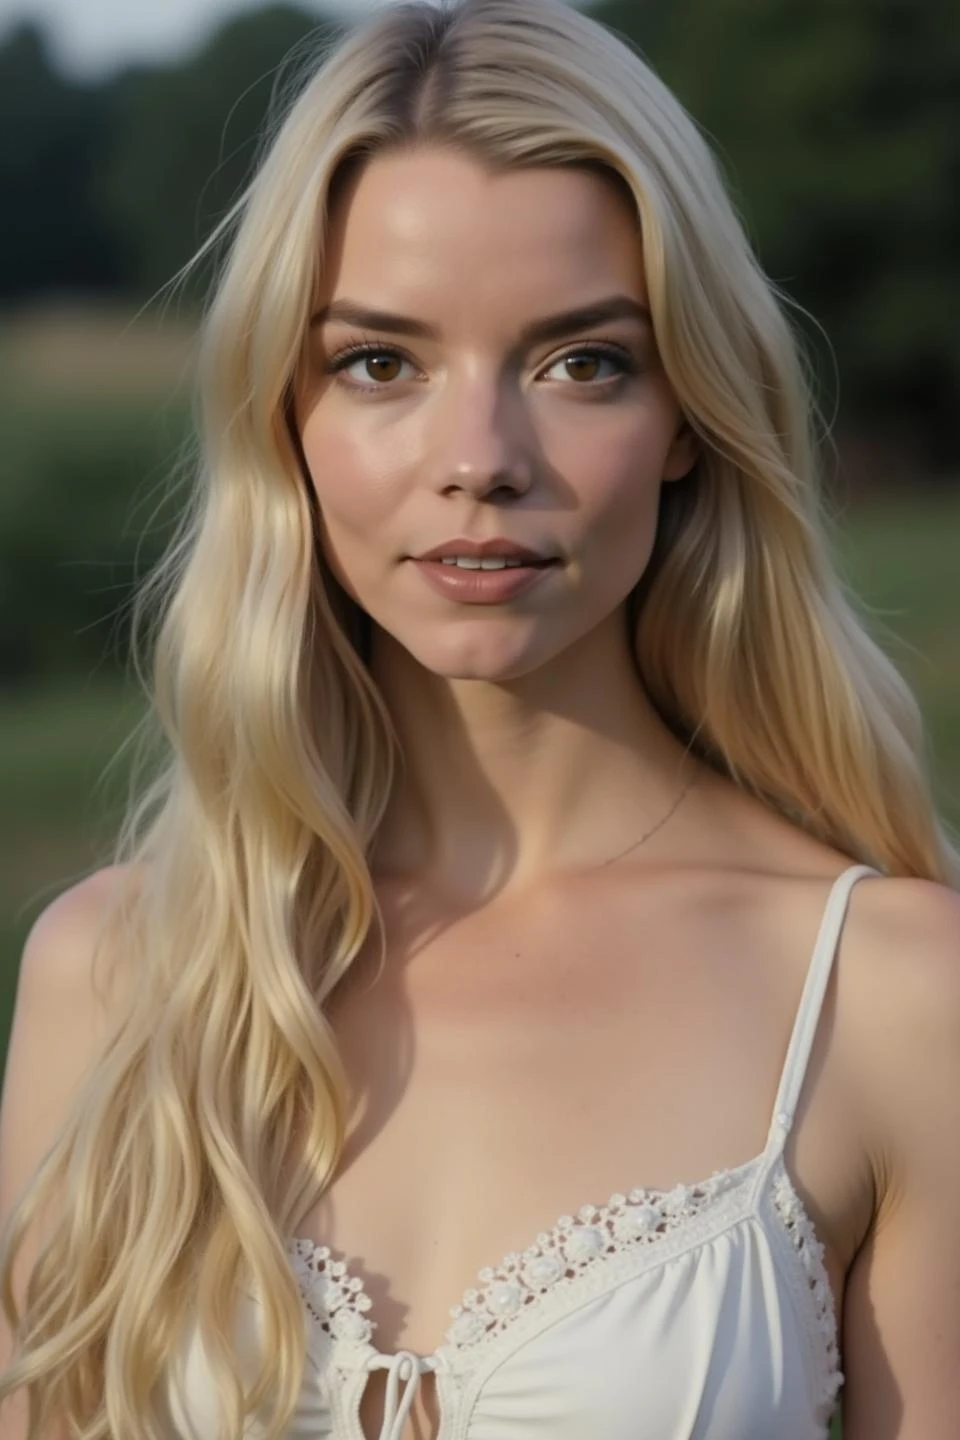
(487, 580)
(495, 554)
(490, 562)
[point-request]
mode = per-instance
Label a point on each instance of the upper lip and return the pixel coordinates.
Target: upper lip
(481, 548)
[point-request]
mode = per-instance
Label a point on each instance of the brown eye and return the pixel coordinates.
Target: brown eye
(379, 366)
(582, 364)
(582, 367)
(379, 363)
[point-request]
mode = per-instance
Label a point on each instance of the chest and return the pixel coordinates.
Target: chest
(510, 1066)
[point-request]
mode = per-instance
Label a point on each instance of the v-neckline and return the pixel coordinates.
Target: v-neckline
(316, 1266)
(338, 1303)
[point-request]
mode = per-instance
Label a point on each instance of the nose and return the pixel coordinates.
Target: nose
(481, 441)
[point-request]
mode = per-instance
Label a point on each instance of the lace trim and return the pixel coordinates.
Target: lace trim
(336, 1301)
(811, 1253)
(576, 1243)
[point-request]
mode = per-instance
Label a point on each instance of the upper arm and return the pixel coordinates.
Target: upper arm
(902, 1302)
(60, 1025)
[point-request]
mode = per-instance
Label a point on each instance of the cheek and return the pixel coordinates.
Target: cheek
(356, 485)
(351, 479)
(617, 473)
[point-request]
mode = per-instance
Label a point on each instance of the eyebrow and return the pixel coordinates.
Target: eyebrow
(551, 327)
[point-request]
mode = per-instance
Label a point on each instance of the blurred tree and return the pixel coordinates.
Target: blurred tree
(86, 506)
(837, 121)
(838, 125)
(185, 139)
(52, 136)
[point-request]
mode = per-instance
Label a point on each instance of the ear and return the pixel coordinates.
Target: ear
(683, 454)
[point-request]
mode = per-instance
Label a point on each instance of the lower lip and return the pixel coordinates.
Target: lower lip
(481, 587)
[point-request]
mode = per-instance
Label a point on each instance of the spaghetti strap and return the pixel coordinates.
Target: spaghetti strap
(811, 1003)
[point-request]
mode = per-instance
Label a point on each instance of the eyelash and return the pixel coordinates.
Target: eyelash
(605, 350)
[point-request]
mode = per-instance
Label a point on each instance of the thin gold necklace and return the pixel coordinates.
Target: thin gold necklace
(637, 843)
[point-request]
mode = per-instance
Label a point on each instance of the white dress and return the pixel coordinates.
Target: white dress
(698, 1313)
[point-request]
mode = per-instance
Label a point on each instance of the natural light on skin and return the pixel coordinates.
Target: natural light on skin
(490, 417)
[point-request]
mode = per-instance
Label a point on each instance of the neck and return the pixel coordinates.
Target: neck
(505, 782)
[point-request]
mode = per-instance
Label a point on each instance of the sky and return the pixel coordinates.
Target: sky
(90, 38)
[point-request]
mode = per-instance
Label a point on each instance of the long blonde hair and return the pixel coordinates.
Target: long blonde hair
(216, 1116)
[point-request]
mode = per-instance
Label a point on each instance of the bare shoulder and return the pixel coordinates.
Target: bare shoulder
(57, 965)
(903, 988)
(898, 1011)
(70, 922)
(898, 1015)
(893, 1028)
(61, 1020)
(899, 1002)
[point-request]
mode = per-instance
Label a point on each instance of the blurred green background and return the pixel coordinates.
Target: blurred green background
(838, 126)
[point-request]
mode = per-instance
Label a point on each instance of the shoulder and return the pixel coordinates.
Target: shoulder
(904, 950)
(61, 1021)
(899, 991)
(59, 950)
(76, 913)
(899, 1005)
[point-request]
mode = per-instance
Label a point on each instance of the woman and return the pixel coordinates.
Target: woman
(548, 674)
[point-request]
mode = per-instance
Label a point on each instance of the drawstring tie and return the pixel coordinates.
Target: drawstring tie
(403, 1366)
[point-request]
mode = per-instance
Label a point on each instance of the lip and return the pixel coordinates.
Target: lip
(483, 587)
(480, 548)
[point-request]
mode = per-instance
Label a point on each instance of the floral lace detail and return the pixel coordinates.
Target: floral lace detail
(576, 1243)
(337, 1302)
(811, 1252)
(335, 1299)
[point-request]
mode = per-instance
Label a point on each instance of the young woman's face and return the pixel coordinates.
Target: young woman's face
(475, 412)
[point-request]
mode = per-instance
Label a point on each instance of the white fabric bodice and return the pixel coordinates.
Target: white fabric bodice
(703, 1312)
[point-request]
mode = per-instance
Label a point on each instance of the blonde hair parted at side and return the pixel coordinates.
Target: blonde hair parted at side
(217, 1114)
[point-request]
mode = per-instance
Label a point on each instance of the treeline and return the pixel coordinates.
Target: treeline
(837, 121)
(107, 189)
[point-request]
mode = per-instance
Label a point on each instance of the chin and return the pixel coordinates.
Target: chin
(494, 672)
(476, 658)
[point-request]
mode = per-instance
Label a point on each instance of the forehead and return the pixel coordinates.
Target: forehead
(435, 225)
